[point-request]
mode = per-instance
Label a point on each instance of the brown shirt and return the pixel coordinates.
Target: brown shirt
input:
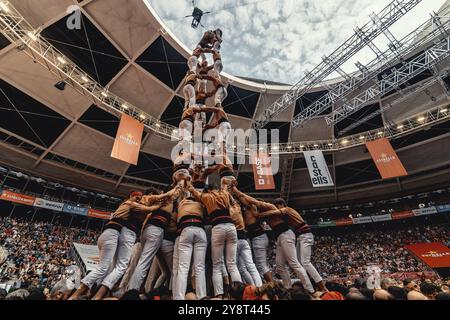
(219, 115)
(189, 113)
(166, 208)
(294, 219)
(124, 210)
(189, 207)
(190, 78)
(215, 200)
(236, 215)
(273, 221)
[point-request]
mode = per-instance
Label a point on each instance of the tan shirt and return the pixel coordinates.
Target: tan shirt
(295, 220)
(273, 221)
(124, 210)
(190, 208)
(215, 200)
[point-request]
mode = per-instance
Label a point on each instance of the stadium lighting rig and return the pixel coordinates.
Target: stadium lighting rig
(362, 38)
(419, 37)
(395, 79)
(15, 27)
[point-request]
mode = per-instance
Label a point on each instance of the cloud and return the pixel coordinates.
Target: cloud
(278, 40)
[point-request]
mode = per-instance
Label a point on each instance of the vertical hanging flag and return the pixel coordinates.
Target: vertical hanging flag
(318, 169)
(262, 171)
(128, 140)
(386, 159)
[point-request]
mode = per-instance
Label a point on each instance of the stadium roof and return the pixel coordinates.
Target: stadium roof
(125, 47)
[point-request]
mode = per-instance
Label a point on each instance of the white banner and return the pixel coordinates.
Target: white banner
(89, 255)
(46, 204)
(425, 211)
(362, 220)
(318, 169)
(384, 217)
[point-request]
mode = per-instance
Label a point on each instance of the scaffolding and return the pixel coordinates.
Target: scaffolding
(398, 49)
(392, 81)
(361, 38)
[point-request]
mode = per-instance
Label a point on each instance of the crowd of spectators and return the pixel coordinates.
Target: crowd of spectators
(350, 254)
(38, 252)
(38, 256)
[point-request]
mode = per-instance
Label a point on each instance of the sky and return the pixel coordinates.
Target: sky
(278, 40)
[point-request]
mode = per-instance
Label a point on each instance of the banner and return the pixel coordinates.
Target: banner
(46, 204)
(89, 255)
(318, 169)
(434, 255)
(425, 211)
(99, 214)
(69, 208)
(362, 220)
(386, 159)
(262, 171)
(384, 217)
(344, 222)
(17, 198)
(128, 140)
(443, 208)
(402, 215)
(326, 224)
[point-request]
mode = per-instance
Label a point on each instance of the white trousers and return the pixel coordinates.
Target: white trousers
(151, 240)
(260, 247)
(165, 261)
(224, 241)
(246, 265)
(305, 243)
(224, 132)
(192, 64)
(218, 66)
(220, 96)
(189, 95)
(286, 257)
(175, 263)
(127, 239)
(192, 244)
(135, 255)
(107, 245)
(185, 130)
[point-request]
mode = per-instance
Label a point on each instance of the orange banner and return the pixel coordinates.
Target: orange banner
(262, 171)
(17, 198)
(435, 255)
(402, 215)
(128, 140)
(386, 159)
(99, 214)
(344, 222)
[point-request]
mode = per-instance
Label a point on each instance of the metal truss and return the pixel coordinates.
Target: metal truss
(439, 78)
(397, 49)
(392, 81)
(286, 177)
(17, 30)
(411, 124)
(362, 37)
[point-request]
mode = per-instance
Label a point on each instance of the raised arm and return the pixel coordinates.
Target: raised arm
(151, 199)
(274, 212)
(143, 209)
(197, 195)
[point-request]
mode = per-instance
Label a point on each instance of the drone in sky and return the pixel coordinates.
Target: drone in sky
(197, 16)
